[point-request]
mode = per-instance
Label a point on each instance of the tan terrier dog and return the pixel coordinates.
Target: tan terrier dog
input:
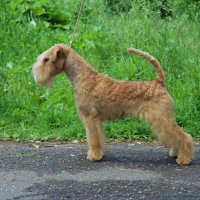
(100, 98)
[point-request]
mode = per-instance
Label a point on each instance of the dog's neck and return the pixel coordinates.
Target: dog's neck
(76, 67)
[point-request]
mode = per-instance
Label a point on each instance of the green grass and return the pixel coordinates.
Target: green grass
(30, 112)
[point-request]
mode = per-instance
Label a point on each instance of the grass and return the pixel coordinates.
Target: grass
(30, 112)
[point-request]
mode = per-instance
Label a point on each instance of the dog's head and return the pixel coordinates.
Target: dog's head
(49, 64)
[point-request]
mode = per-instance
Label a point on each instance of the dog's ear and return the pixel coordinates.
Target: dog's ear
(59, 51)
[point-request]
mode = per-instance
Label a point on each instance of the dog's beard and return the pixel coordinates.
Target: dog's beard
(42, 79)
(44, 82)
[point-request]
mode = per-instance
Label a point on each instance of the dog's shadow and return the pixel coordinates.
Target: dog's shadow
(148, 158)
(137, 158)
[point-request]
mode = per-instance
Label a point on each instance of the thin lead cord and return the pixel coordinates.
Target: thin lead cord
(76, 25)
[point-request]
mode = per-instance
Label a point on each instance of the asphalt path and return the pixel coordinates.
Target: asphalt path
(53, 171)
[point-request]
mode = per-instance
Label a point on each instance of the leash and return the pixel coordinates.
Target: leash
(76, 25)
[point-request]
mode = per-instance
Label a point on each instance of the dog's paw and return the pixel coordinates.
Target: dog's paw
(95, 155)
(183, 161)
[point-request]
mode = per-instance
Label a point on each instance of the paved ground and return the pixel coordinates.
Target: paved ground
(128, 171)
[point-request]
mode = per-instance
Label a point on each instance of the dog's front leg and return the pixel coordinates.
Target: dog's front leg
(95, 136)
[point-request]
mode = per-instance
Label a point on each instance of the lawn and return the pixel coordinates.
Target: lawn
(30, 112)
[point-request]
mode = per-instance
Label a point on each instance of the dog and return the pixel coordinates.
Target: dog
(100, 98)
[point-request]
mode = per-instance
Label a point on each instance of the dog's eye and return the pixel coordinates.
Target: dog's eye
(46, 60)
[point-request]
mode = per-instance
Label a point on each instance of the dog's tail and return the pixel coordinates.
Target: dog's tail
(151, 59)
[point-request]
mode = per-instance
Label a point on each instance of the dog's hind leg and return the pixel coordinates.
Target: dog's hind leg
(171, 134)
